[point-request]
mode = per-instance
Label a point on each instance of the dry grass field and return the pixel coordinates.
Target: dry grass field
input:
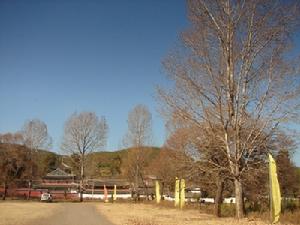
(22, 213)
(145, 214)
(35, 213)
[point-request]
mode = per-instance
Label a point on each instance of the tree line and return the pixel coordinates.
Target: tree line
(84, 133)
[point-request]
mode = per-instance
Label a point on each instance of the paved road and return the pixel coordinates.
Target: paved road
(76, 214)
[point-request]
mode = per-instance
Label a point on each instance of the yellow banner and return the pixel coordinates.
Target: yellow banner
(177, 192)
(115, 193)
(157, 192)
(105, 194)
(275, 197)
(182, 193)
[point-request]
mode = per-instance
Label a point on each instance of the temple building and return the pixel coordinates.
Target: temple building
(58, 179)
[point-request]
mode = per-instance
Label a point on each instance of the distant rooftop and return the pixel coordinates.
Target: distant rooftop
(59, 173)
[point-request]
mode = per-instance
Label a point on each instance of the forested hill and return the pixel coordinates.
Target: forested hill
(98, 164)
(15, 164)
(116, 163)
(15, 161)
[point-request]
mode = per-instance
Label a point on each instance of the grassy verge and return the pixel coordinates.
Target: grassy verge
(148, 213)
(151, 214)
(22, 213)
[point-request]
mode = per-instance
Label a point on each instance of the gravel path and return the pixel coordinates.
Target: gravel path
(75, 214)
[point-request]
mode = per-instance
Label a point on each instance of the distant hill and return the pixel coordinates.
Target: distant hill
(99, 164)
(45, 161)
(113, 164)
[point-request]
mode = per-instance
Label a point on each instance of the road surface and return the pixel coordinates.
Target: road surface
(75, 214)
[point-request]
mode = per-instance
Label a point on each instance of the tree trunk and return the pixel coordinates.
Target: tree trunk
(29, 191)
(31, 172)
(219, 196)
(145, 187)
(81, 178)
(162, 190)
(239, 201)
(5, 191)
(81, 195)
(136, 182)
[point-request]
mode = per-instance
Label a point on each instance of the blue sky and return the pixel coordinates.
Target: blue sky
(62, 56)
(57, 57)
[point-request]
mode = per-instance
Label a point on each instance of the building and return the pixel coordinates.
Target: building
(58, 179)
(94, 188)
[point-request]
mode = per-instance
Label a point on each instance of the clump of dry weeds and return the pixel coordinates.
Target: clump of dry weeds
(137, 221)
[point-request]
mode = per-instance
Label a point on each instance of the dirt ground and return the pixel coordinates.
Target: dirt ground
(96, 213)
(144, 214)
(51, 214)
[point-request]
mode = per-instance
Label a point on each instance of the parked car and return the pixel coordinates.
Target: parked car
(46, 197)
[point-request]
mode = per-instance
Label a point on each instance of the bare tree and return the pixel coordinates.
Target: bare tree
(139, 134)
(139, 127)
(35, 135)
(286, 169)
(167, 165)
(83, 134)
(202, 160)
(233, 76)
(12, 138)
(13, 165)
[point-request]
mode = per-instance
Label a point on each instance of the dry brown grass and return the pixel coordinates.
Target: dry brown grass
(21, 213)
(146, 214)
(290, 218)
(286, 218)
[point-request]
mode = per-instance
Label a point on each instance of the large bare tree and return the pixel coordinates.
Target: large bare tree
(83, 134)
(35, 136)
(234, 77)
(139, 127)
(139, 135)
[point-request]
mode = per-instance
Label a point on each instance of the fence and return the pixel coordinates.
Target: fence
(23, 193)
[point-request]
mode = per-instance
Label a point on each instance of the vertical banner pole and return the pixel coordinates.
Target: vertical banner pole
(157, 192)
(105, 194)
(275, 196)
(115, 193)
(177, 192)
(182, 193)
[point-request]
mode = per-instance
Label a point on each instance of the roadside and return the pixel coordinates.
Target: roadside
(146, 214)
(23, 213)
(35, 213)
